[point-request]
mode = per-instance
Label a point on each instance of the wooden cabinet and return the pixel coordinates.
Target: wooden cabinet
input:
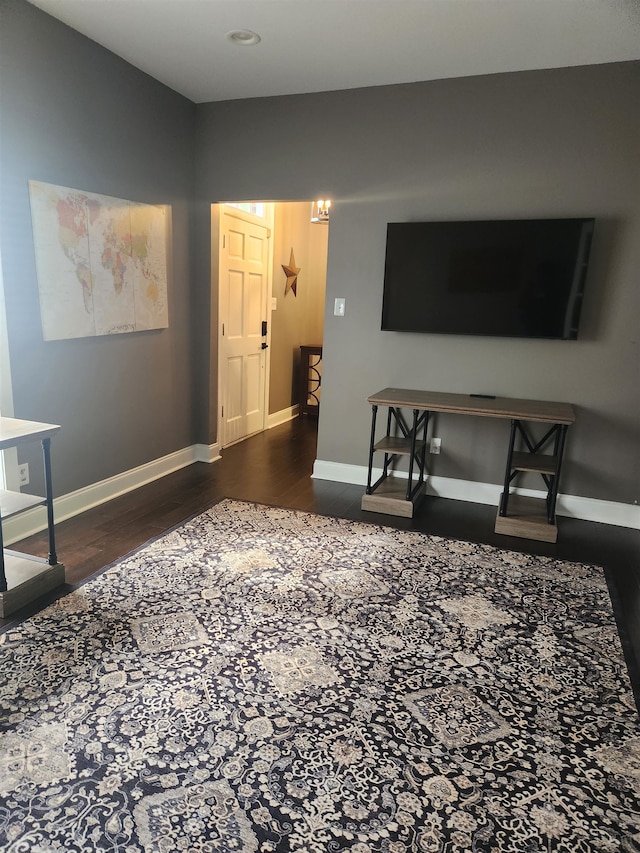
(24, 577)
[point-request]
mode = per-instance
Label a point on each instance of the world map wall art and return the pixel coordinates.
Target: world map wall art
(101, 263)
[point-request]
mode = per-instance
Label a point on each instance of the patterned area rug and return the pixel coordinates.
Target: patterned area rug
(263, 680)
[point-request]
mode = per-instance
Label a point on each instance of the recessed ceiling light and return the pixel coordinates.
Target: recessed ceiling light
(243, 38)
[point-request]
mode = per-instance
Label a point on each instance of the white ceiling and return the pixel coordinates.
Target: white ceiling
(321, 45)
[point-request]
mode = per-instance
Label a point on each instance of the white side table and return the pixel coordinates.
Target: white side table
(24, 577)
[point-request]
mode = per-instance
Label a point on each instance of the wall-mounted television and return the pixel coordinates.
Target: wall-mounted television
(505, 278)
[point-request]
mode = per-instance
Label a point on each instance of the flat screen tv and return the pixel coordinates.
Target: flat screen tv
(506, 278)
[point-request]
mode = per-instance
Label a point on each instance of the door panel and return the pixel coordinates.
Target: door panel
(233, 404)
(255, 249)
(254, 376)
(243, 281)
(255, 306)
(235, 319)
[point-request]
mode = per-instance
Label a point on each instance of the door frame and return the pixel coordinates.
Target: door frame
(9, 478)
(266, 221)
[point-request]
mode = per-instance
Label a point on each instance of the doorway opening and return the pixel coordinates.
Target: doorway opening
(269, 269)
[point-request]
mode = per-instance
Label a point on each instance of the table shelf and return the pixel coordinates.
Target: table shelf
(527, 519)
(13, 503)
(27, 579)
(538, 463)
(390, 498)
(399, 446)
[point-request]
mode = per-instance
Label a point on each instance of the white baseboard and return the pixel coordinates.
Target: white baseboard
(206, 452)
(574, 506)
(282, 416)
(66, 506)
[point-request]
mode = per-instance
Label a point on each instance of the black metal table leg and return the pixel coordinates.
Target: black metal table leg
(504, 500)
(413, 436)
(3, 576)
(374, 412)
(52, 558)
(389, 456)
(561, 436)
(422, 456)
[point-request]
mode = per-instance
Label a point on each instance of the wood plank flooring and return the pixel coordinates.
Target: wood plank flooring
(275, 468)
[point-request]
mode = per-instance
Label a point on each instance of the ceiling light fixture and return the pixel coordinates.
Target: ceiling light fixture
(243, 38)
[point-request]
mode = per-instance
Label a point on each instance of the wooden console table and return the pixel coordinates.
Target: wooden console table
(531, 518)
(24, 577)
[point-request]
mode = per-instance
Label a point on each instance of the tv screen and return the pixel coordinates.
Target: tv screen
(507, 278)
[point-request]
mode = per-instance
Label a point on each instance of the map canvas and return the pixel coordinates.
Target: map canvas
(101, 263)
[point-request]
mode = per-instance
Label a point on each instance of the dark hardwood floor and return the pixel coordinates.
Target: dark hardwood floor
(274, 468)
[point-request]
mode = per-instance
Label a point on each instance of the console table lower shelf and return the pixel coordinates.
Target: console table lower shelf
(390, 498)
(526, 517)
(27, 579)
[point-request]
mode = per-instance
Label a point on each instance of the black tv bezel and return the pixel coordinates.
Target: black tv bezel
(573, 309)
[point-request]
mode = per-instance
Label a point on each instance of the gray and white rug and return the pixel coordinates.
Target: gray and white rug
(262, 680)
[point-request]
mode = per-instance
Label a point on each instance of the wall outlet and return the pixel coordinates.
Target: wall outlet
(23, 474)
(435, 445)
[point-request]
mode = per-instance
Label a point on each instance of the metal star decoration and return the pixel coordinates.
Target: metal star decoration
(291, 271)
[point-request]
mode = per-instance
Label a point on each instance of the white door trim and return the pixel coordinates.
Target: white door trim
(8, 458)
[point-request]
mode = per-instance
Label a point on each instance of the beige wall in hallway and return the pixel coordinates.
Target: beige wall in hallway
(298, 320)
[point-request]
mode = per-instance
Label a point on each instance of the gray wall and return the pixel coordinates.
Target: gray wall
(549, 143)
(73, 114)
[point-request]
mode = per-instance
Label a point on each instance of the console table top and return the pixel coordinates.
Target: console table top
(464, 404)
(14, 431)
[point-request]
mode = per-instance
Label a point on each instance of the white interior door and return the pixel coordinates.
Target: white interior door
(244, 285)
